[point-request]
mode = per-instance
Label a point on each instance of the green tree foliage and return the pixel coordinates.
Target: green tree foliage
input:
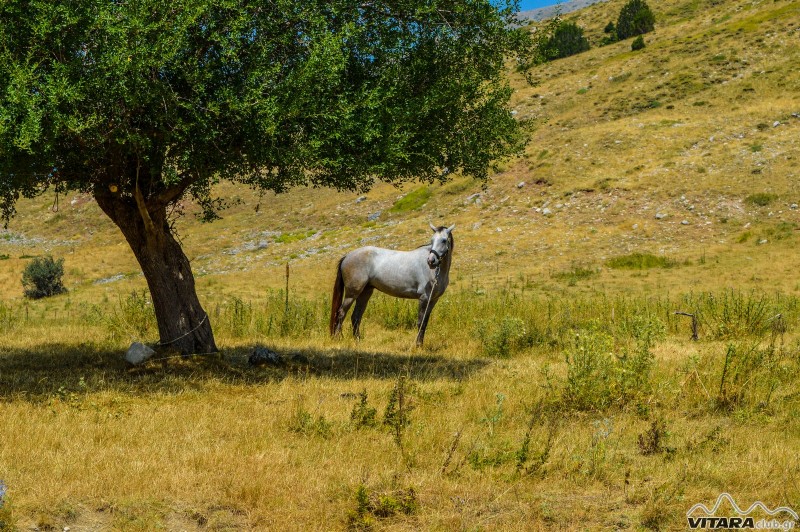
(635, 18)
(557, 39)
(144, 104)
(42, 278)
(611, 34)
(638, 43)
(567, 40)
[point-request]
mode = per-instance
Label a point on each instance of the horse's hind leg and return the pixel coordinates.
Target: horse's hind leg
(358, 311)
(347, 302)
(350, 297)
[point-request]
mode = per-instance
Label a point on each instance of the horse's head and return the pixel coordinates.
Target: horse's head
(441, 245)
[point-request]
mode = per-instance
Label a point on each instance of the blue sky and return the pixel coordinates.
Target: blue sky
(525, 5)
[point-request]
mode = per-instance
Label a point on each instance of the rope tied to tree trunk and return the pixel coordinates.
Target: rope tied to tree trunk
(205, 317)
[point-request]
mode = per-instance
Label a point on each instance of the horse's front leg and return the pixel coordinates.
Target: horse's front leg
(425, 308)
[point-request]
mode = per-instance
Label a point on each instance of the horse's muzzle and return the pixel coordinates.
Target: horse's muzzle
(433, 262)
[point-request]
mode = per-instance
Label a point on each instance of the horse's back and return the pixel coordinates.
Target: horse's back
(398, 273)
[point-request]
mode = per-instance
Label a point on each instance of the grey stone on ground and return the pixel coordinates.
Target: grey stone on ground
(374, 216)
(660, 216)
(138, 353)
(262, 355)
(473, 197)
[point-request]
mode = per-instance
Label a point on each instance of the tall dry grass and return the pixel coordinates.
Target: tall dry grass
(498, 430)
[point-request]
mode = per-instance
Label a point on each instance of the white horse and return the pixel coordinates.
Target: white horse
(422, 274)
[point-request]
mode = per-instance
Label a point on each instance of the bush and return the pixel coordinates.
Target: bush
(637, 44)
(635, 18)
(760, 199)
(558, 39)
(42, 278)
(502, 337)
(601, 374)
(567, 40)
(639, 261)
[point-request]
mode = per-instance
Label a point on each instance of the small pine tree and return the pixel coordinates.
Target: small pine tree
(638, 43)
(558, 39)
(611, 34)
(42, 278)
(635, 18)
(567, 40)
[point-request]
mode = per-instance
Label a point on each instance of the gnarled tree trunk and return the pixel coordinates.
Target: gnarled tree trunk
(183, 325)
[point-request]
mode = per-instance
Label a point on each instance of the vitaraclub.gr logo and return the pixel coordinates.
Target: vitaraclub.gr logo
(781, 518)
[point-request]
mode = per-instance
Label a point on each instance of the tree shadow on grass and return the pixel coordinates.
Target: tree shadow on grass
(57, 370)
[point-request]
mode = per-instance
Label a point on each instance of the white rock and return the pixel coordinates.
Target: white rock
(546, 211)
(684, 222)
(660, 216)
(138, 353)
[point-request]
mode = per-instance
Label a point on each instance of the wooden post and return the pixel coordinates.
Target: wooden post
(694, 323)
(286, 307)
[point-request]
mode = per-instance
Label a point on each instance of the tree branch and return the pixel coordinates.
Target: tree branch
(149, 226)
(170, 194)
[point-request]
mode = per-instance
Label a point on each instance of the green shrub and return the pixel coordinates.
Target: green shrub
(363, 415)
(575, 274)
(501, 338)
(752, 374)
(373, 506)
(639, 261)
(42, 278)
(589, 371)
(734, 314)
(303, 422)
(637, 44)
(635, 18)
(760, 199)
(567, 40)
(598, 377)
(556, 39)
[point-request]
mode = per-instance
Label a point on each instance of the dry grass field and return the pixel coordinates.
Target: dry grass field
(557, 389)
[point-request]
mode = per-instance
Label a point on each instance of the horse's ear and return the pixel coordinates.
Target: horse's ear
(432, 227)
(450, 229)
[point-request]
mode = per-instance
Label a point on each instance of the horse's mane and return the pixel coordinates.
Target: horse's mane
(449, 239)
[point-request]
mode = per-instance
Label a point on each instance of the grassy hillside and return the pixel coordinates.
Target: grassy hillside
(654, 181)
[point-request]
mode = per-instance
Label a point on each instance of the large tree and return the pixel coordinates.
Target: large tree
(144, 103)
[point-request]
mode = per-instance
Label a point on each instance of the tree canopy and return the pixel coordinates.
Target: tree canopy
(635, 18)
(271, 94)
(141, 102)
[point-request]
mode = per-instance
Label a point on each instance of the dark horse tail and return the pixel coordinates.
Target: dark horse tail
(338, 295)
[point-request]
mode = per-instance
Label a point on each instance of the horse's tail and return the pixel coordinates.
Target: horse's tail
(338, 295)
